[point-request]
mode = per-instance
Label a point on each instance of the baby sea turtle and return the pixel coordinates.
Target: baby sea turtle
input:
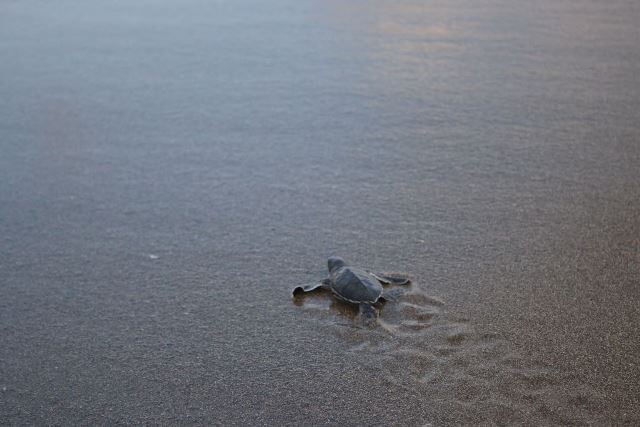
(356, 286)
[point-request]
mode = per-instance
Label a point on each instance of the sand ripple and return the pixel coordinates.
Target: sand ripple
(477, 377)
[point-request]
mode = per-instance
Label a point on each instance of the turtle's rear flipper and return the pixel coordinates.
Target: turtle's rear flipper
(325, 284)
(391, 279)
(368, 314)
(392, 294)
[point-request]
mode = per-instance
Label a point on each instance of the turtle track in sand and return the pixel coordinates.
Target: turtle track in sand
(467, 376)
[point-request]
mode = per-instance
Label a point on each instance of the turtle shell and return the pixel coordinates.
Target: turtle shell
(355, 285)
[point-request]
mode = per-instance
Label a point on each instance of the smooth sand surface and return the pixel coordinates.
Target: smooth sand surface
(168, 173)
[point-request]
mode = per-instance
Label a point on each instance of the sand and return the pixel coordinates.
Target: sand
(168, 173)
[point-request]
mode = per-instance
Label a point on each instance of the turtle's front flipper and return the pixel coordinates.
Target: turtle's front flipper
(368, 314)
(391, 279)
(325, 284)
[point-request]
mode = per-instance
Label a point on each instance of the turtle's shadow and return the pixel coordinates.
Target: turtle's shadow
(344, 308)
(328, 300)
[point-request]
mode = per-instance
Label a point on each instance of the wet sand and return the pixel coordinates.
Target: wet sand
(168, 174)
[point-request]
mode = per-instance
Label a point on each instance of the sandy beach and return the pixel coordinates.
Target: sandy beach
(169, 172)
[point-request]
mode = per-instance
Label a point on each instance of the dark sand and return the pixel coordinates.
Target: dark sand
(168, 173)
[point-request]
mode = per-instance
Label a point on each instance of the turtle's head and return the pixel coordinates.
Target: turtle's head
(335, 263)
